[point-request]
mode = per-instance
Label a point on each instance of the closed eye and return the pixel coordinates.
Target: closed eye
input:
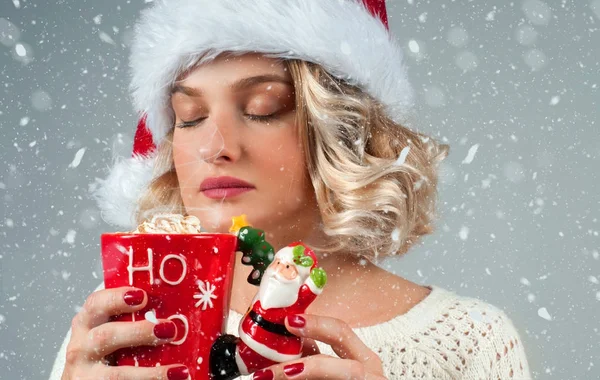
(188, 124)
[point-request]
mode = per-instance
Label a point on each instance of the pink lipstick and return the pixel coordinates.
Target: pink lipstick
(224, 187)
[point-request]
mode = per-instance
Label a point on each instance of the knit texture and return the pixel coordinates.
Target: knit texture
(445, 336)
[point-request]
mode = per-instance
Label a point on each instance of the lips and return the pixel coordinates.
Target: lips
(224, 187)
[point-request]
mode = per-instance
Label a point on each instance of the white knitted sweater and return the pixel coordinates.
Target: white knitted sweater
(445, 336)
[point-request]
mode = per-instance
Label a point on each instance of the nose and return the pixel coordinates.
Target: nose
(222, 142)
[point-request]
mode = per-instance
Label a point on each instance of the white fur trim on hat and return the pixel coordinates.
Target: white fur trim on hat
(340, 35)
(117, 195)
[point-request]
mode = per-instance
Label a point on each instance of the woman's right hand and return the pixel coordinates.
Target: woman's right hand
(93, 337)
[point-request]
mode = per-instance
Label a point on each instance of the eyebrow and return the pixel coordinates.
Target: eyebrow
(240, 85)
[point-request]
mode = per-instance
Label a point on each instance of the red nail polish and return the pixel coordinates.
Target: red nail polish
(293, 369)
(178, 373)
(165, 330)
(134, 297)
(263, 374)
(296, 321)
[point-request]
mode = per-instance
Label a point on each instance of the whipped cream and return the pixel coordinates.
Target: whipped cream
(170, 224)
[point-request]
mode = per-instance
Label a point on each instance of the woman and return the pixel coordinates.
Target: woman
(293, 111)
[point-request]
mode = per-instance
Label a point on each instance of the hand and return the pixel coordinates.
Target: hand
(93, 337)
(356, 360)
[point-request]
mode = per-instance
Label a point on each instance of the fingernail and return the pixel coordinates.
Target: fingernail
(134, 297)
(165, 330)
(293, 369)
(178, 373)
(263, 374)
(296, 321)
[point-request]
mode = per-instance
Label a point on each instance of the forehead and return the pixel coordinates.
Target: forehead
(226, 69)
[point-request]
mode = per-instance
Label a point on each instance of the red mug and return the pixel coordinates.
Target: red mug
(188, 279)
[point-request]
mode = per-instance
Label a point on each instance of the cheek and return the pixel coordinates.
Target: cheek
(186, 161)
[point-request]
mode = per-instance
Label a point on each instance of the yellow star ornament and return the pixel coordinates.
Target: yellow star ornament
(238, 222)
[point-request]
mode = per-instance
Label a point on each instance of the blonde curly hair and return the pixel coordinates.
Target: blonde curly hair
(375, 181)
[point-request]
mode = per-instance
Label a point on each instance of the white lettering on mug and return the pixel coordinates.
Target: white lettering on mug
(183, 272)
(132, 269)
(183, 319)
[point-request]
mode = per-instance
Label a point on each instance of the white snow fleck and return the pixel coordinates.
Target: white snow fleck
(526, 35)
(463, 233)
(20, 50)
(477, 316)
(537, 12)
(17, 4)
(423, 17)
(595, 5)
(525, 281)
(402, 157)
(9, 222)
(419, 273)
(65, 275)
(199, 361)
(487, 270)
(543, 313)
(467, 61)
(396, 234)
(554, 101)
(471, 154)
(535, 59)
(41, 100)
(2, 319)
(514, 171)
(530, 297)
(458, 37)
(32, 144)
(106, 38)
(77, 159)
(2, 186)
(598, 296)
(70, 237)
(151, 316)
(593, 280)
(413, 46)
(98, 19)
(9, 33)
(490, 16)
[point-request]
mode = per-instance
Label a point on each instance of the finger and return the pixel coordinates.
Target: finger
(172, 372)
(336, 333)
(101, 305)
(309, 347)
(317, 367)
(109, 337)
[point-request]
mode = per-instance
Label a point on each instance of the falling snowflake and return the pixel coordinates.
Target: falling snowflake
(206, 294)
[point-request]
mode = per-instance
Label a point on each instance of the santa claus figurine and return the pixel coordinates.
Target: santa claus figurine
(288, 286)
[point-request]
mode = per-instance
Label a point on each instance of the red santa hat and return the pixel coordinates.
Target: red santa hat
(299, 255)
(348, 38)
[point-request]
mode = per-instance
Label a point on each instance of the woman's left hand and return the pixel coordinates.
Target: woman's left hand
(356, 360)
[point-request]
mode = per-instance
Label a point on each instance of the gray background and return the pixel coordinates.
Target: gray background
(519, 225)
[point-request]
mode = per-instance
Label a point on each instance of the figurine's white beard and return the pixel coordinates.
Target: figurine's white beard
(278, 293)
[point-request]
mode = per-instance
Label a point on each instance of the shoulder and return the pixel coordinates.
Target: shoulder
(461, 335)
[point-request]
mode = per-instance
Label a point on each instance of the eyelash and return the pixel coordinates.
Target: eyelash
(257, 118)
